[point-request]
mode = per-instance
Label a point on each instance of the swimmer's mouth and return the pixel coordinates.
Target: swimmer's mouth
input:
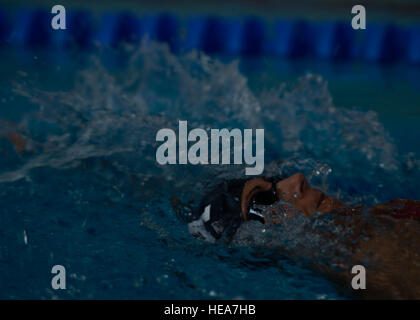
(327, 204)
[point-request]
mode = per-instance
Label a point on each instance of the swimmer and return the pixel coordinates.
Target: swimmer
(385, 238)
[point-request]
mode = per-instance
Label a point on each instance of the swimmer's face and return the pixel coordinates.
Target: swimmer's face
(297, 191)
(294, 190)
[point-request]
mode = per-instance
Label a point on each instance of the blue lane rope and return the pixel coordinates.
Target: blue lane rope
(248, 36)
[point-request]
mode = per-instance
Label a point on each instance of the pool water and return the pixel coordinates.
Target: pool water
(80, 186)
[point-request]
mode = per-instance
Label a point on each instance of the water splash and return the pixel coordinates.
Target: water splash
(119, 112)
(105, 126)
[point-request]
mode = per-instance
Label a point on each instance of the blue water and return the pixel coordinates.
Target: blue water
(83, 189)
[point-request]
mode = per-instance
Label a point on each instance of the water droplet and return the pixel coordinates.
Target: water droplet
(25, 237)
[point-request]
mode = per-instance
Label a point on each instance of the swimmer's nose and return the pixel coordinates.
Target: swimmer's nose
(293, 187)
